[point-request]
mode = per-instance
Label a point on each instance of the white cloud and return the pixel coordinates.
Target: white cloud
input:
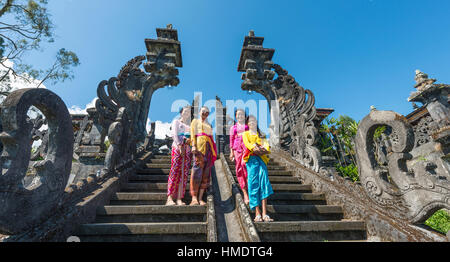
(18, 82)
(161, 129)
(78, 110)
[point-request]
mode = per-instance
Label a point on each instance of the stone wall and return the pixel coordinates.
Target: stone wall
(358, 206)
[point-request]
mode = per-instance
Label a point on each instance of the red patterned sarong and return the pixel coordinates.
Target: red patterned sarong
(179, 171)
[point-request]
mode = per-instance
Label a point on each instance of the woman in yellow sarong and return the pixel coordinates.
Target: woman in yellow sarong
(256, 157)
(204, 150)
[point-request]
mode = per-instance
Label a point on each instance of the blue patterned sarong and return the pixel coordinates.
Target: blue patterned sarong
(259, 186)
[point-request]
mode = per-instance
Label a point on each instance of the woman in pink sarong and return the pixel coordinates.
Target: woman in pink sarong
(181, 158)
(237, 151)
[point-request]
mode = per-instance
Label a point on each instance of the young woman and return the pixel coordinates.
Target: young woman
(256, 157)
(204, 150)
(237, 151)
(181, 158)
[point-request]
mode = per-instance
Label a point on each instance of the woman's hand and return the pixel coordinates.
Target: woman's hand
(259, 150)
(181, 148)
(263, 151)
(256, 150)
(231, 154)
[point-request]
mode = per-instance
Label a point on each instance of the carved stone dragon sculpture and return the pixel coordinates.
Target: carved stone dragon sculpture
(291, 107)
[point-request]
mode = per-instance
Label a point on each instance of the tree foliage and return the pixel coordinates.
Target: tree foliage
(24, 26)
(337, 135)
(439, 221)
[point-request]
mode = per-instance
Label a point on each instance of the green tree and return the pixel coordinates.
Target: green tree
(24, 25)
(338, 136)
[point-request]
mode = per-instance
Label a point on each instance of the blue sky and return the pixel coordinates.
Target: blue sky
(351, 53)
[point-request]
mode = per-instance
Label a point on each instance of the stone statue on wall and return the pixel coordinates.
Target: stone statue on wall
(115, 136)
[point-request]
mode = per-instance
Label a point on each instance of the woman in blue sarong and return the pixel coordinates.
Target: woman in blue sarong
(256, 157)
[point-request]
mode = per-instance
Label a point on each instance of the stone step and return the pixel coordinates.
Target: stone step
(311, 230)
(140, 198)
(145, 238)
(160, 161)
(154, 178)
(150, 213)
(287, 198)
(150, 209)
(304, 212)
(153, 171)
(146, 187)
(284, 179)
(161, 157)
(159, 165)
(291, 187)
(171, 228)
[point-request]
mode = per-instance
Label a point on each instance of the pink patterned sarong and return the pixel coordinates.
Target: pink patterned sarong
(179, 172)
(237, 145)
(241, 169)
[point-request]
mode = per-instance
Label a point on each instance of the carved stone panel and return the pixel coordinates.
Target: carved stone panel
(26, 199)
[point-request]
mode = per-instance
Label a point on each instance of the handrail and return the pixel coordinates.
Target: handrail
(245, 219)
(211, 218)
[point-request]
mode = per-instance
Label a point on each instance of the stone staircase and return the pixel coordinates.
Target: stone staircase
(301, 215)
(138, 211)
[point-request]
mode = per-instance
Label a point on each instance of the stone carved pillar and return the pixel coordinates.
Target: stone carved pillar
(222, 128)
(133, 88)
(26, 200)
(291, 107)
(255, 62)
(435, 98)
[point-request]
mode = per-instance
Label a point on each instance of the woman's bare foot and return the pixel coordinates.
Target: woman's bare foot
(180, 203)
(193, 203)
(202, 203)
(170, 202)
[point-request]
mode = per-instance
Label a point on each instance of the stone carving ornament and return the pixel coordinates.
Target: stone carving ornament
(39, 135)
(133, 88)
(414, 190)
(26, 199)
(423, 130)
(117, 135)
